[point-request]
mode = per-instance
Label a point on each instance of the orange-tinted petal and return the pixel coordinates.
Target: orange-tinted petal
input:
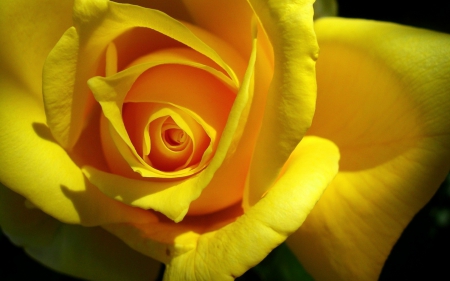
(228, 19)
(174, 201)
(79, 52)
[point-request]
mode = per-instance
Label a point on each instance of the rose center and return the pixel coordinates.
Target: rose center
(175, 139)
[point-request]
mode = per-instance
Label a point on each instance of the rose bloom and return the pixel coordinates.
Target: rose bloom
(202, 134)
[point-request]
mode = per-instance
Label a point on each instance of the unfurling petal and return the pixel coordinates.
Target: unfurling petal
(383, 99)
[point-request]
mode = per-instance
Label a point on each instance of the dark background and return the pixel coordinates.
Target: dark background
(428, 14)
(423, 249)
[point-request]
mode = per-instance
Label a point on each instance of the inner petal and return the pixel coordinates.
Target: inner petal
(171, 146)
(174, 138)
(166, 137)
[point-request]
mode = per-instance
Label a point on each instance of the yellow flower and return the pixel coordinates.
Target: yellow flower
(231, 84)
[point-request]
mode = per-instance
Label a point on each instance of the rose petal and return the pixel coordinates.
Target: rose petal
(111, 59)
(383, 99)
(174, 8)
(57, 245)
(205, 253)
(165, 239)
(35, 166)
(291, 99)
(97, 23)
(229, 19)
(172, 198)
(112, 91)
(174, 201)
(149, 137)
(34, 25)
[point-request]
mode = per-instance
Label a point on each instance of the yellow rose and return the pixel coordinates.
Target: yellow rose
(180, 135)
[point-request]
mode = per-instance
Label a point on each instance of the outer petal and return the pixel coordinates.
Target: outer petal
(90, 253)
(383, 99)
(205, 253)
(35, 166)
(291, 98)
(24, 25)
